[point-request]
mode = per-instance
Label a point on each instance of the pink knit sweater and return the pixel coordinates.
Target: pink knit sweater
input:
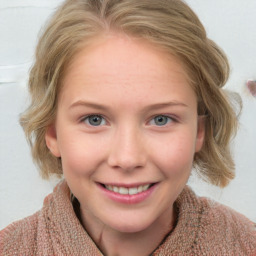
(203, 228)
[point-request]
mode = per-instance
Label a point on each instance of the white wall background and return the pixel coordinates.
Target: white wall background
(231, 23)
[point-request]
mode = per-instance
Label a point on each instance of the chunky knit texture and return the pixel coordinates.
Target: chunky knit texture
(204, 227)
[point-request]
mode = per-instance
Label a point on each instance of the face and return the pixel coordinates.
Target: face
(126, 130)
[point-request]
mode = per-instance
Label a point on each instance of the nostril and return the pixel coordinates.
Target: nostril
(126, 162)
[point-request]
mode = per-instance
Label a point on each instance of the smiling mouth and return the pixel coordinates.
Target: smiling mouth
(128, 191)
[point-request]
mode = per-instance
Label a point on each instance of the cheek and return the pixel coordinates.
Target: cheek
(175, 155)
(82, 153)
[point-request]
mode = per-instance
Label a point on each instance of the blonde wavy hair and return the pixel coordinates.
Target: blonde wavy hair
(169, 24)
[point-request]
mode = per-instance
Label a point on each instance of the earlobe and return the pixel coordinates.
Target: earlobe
(51, 140)
(200, 133)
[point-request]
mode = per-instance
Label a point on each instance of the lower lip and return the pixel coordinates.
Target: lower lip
(128, 199)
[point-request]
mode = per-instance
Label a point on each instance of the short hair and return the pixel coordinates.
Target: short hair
(168, 24)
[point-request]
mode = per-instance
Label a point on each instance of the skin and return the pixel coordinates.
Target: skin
(128, 83)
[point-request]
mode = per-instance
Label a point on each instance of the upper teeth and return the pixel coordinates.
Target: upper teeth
(126, 191)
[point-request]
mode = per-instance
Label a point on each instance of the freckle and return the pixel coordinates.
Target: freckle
(252, 87)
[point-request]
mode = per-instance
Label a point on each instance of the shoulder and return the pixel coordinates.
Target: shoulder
(19, 235)
(54, 230)
(205, 227)
(225, 230)
(31, 234)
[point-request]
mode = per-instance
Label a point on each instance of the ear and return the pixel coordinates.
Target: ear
(51, 140)
(200, 133)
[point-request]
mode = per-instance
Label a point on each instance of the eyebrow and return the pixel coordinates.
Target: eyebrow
(167, 104)
(81, 103)
(103, 107)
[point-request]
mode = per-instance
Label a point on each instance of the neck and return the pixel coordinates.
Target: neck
(115, 243)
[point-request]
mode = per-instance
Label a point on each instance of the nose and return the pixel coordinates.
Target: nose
(127, 151)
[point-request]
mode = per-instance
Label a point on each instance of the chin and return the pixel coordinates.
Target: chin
(131, 226)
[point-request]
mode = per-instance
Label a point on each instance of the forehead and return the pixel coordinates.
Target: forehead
(118, 61)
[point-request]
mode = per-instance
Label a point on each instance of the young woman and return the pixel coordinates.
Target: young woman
(126, 97)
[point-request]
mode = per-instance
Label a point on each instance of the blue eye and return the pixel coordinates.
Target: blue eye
(160, 120)
(94, 120)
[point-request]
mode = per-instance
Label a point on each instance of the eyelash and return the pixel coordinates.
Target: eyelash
(85, 118)
(170, 119)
